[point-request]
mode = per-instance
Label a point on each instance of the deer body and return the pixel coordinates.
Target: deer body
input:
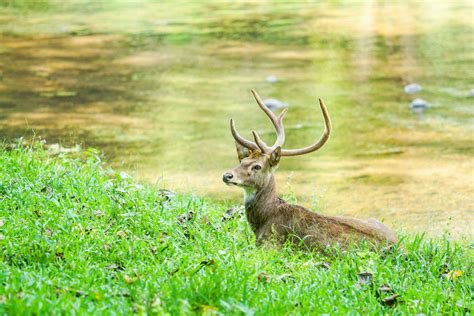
(270, 217)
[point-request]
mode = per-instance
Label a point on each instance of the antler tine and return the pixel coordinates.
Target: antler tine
(277, 123)
(260, 143)
(239, 139)
(319, 143)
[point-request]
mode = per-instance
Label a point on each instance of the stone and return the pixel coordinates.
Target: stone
(419, 105)
(271, 79)
(274, 104)
(412, 88)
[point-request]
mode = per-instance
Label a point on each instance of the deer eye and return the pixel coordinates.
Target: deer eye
(256, 167)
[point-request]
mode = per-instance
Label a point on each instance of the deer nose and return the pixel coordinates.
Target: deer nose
(227, 176)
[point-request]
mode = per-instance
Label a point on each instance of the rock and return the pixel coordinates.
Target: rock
(56, 149)
(271, 79)
(471, 93)
(412, 88)
(167, 194)
(274, 104)
(419, 105)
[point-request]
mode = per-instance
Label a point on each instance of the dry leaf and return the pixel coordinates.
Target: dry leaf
(167, 194)
(156, 301)
(285, 277)
(264, 277)
(80, 293)
(98, 213)
(323, 264)
(205, 220)
(385, 288)
(186, 217)
(128, 279)
(365, 278)
(391, 300)
(60, 255)
(121, 234)
(230, 213)
(47, 190)
(453, 275)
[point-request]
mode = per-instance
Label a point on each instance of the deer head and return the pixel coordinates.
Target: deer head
(258, 161)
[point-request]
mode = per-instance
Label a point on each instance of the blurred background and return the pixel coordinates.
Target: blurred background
(153, 84)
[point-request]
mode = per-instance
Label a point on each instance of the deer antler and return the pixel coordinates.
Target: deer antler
(322, 140)
(278, 124)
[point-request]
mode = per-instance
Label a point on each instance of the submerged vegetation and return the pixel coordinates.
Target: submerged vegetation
(76, 236)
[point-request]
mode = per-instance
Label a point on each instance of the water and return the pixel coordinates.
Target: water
(153, 85)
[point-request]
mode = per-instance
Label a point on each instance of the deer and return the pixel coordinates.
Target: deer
(272, 218)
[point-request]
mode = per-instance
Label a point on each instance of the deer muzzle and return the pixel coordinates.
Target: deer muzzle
(227, 177)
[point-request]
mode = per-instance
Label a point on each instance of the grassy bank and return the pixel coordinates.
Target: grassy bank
(76, 236)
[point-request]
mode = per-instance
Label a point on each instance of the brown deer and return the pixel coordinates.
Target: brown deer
(273, 218)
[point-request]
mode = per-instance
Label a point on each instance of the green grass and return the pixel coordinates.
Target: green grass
(77, 237)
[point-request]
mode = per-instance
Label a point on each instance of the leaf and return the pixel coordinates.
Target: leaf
(47, 190)
(205, 220)
(285, 277)
(80, 293)
(208, 310)
(128, 279)
(322, 264)
(60, 255)
(121, 234)
(391, 300)
(264, 277)
(385, 288)
(167, 194)
(207, 262)
(114, 266)
(365, 278)
(156, 302)
(186, 217)
(453, 275)
(98, 213)
(230, 213)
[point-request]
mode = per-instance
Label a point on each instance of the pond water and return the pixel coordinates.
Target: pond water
(153, 86)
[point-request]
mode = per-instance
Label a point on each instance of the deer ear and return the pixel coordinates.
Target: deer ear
(275, 156)
(242, 152)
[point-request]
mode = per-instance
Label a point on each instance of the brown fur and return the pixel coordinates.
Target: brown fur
(272, 218)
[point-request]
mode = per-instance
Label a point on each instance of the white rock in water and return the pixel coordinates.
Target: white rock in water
(271, 79)
(419, 104)
(274, 104)
(412, 88)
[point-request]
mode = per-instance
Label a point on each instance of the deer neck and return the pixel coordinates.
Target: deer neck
(260, 203)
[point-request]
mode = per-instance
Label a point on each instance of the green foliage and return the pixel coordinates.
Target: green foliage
(78, 237)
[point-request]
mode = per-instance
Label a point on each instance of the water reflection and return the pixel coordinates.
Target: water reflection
(153, 85)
